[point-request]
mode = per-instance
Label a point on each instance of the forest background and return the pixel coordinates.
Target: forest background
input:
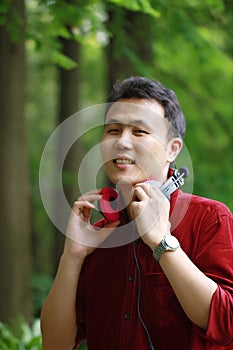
(58, 57)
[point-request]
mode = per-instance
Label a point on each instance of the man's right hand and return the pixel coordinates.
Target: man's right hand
(82, 238)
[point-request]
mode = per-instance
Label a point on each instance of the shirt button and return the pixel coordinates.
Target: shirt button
(127, 316)
(131, 278)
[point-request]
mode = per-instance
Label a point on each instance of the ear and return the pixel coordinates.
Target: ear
(174, 148)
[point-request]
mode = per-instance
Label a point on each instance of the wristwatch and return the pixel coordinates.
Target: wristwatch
(168, 243)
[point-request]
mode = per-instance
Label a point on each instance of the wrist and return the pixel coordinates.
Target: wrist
(155, 242)
(168, 243)
(71, 259)
(153, 245)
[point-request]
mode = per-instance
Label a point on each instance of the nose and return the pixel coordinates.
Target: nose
(124, 141)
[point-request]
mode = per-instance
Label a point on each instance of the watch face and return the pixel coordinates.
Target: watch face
(172, 242)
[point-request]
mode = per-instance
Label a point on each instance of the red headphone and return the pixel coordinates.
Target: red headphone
(110, 204)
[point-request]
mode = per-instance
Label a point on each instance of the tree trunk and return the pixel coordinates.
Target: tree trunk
(15, 247)
(131, 46)
(68, 105)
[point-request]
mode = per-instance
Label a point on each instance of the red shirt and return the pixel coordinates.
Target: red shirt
(107, 297)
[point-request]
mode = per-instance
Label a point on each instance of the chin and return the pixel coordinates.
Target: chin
(131, 180)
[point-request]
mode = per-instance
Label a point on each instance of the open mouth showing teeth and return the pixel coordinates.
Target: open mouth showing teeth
(123, 161)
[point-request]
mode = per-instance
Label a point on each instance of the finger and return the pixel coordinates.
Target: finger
(83, 207)
(81, 204)
(140, 193)
(151, 189)
(94, 237)
(91, 197)
(157, 194)
(135, 209)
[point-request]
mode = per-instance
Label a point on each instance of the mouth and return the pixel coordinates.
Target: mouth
(123, 161)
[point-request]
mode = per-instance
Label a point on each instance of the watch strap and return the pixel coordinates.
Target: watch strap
(163, 247)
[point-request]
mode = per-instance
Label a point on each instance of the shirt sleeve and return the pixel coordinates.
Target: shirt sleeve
(80, 301)
(80, 310)
(215, 259)
(220, 329)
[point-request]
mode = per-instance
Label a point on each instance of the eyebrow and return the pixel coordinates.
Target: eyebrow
(133, 122)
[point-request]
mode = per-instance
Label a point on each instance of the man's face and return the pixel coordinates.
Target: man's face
(135, 145)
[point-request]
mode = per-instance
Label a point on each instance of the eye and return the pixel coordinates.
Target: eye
(140, 131)
(113, 131)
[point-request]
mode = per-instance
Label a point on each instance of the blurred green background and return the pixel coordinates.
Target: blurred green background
(58, 57)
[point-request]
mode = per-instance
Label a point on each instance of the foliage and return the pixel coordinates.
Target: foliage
(49, 21)
(21, 336)
(41, 284)
(194, 58)
(143, 6)
(24, 338)
(10, 18)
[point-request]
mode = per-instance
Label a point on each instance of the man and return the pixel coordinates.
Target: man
(169, 286)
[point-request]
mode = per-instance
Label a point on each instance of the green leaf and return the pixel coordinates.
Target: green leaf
(62, 60)
(34, 343)
(137, 5)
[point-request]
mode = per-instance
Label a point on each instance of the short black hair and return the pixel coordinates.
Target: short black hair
(141, 87)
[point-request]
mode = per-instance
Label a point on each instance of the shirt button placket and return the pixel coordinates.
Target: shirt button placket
(128, 304)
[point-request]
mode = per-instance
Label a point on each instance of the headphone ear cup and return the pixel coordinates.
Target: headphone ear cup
(109, 204)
